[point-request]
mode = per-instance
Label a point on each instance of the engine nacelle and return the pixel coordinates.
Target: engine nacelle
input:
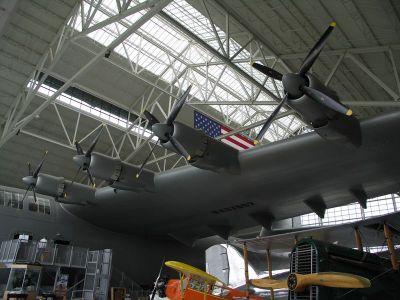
(105, 167)
(63, 190)
(328, 123)
(128, 181)
(206, 152)
(119, 174)
(76, 193)
(50, 185)
(313, 112)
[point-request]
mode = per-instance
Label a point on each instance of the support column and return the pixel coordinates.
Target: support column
(246, 269)
(389, 242)
(358, 238)
(269, 265)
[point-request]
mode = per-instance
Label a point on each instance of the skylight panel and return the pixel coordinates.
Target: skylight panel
(194, 20)
(164, 51)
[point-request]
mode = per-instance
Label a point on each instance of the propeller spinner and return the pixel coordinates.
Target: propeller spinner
(31, 179)
(296, 84)
(83, 159)
(165, 131)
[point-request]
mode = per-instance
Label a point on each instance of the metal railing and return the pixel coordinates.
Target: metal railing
(45, 253)
(133, 289)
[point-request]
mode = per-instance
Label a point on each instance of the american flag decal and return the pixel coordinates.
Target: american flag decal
(214, 129)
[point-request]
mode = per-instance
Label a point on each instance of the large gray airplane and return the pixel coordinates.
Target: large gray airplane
(274, 182)
(223, 190)
(163, 212)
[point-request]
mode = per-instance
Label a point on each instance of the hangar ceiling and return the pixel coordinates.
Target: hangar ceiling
(158, 49)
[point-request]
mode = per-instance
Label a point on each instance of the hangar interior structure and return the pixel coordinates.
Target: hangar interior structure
(168, 46)
(69, 67)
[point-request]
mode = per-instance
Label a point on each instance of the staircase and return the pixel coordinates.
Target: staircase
(97, 276)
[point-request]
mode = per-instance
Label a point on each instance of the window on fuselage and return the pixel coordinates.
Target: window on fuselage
(41, 206)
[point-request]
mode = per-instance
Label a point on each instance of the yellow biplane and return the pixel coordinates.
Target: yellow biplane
(195, 284)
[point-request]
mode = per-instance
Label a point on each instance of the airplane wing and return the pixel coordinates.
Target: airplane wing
(276, 181)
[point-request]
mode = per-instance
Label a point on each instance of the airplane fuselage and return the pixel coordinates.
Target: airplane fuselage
(138, 256)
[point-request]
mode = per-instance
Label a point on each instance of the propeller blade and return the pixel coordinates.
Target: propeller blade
(147, 158)
(327, 101)
(153, 293)
(29, 169)
(76, 175)
(35, 174)
(90, 178)
(267, 71)
(178, 106)
(269, 283)
(96, 139)
(151, 118)
(298, 282)
(79, 149)
(34, 194)
(179, 148)
(330, 279)
(26, 192)
(316, 50)
(269, 120)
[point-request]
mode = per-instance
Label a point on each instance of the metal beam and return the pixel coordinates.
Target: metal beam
(396, 74)
(220, 56)
(33, 83)
(299, 55)
(285, 114)
(375, 78)
(128, 32)
(115, 18)
(350, 103)
(330, 76)
(49, 140)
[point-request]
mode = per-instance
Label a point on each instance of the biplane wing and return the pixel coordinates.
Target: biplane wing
(189, 270)
(195, 284)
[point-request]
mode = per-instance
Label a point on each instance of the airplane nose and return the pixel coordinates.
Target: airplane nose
(28, 180)
(78, 160)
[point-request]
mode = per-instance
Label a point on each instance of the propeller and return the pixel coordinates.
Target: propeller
(269, 120)
(295, 84)
(164, 131)
(298, 282)
(326, 100)
(31, 179)
(153, 293)
(267, 71)
(82, 159)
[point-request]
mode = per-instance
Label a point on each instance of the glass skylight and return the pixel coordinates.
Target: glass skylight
(164, 51)
(107, 116)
